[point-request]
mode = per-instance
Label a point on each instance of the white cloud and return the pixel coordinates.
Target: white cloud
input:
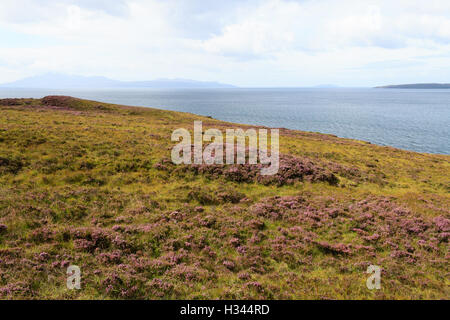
(253, 42)
(326, 25)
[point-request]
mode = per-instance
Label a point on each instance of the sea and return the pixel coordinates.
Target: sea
(411, 119)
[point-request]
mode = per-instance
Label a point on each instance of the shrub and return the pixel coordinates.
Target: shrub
(10, 165)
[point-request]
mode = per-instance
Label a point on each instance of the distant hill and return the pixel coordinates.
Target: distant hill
(63, 81)
(418, 86)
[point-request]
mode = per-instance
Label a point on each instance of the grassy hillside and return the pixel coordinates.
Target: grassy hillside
(90, 184)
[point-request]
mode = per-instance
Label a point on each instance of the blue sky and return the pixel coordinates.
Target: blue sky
(246, 42)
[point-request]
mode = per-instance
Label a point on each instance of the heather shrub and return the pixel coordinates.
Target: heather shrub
(204, 196)
(10, 165)
(291, 170)
(10, 102)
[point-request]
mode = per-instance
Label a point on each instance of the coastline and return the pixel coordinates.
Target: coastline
(403, 119)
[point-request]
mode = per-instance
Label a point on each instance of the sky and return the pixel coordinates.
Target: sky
(249, 43)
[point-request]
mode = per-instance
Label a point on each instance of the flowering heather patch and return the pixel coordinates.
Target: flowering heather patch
(110, 257)
(339, 248)
(291, 170)
(58, 101)
(43, 234)
(10, 102)
(82, 183)
(18, 289)
(378, 223)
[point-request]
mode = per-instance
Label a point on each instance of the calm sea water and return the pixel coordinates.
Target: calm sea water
(417, 120)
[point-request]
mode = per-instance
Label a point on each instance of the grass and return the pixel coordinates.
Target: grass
(85, 183)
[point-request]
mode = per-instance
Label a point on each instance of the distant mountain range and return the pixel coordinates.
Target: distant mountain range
(63, 81)
(418, 86)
